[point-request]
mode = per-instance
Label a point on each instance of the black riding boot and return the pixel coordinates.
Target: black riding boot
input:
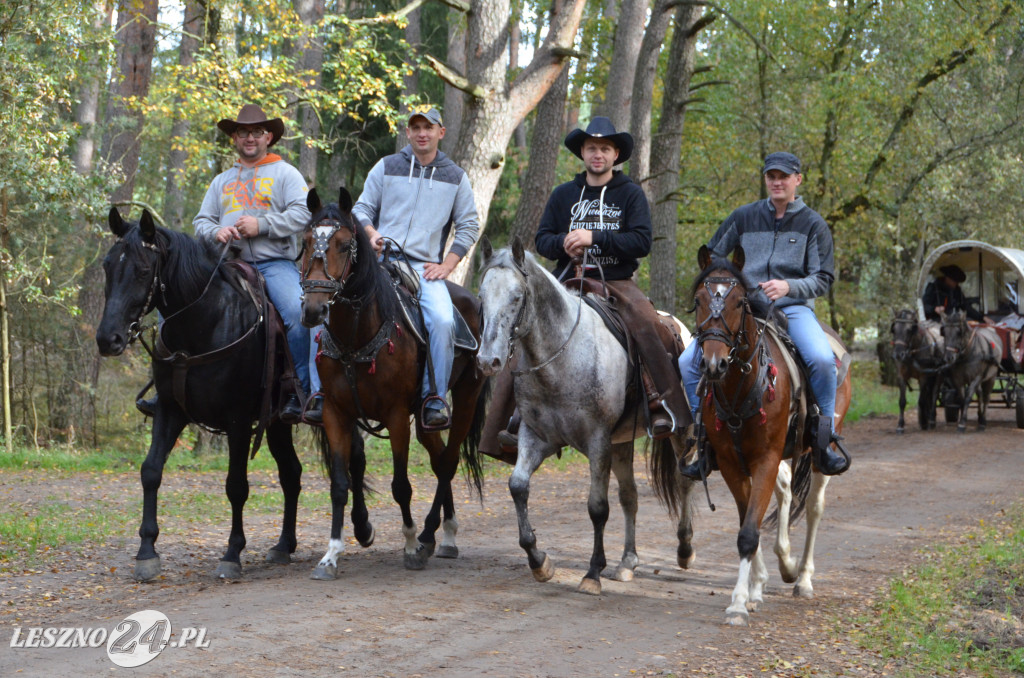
(291, 411)
(828, 460)
(146, 405)
(702, 466)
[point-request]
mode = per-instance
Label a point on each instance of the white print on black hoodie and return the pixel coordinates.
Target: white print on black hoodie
(617, 214)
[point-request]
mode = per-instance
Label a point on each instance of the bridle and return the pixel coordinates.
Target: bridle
(736, 340)
(323, 231)
(135, 328)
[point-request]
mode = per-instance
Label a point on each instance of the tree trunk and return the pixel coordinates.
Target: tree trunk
(89, 96)
(629, 34)
(5, 345)
(496, 107)
(515, 35)
(454, 98)
(643, 95)
(411, 81)
(192, 35)
(311, 12)
(548, 131)
(665, 157)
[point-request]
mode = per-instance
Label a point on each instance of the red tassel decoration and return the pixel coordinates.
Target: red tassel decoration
(317, 338)
(764, 416)
(391, 347)
(771, 393)
(399, 328)
(373, 366)
(773, 371)
(718, 424)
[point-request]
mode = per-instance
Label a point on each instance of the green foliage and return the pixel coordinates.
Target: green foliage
(959, 611)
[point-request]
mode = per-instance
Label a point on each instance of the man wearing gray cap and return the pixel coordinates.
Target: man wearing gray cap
(788, 249)
(415, 198)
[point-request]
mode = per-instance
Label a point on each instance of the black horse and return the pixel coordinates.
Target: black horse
(210, 367)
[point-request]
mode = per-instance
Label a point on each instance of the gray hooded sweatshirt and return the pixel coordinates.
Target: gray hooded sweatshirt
(274, 192)
(417, 206)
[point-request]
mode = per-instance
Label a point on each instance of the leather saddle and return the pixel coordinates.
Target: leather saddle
(801, 398)
(595, 295)
(407, 283)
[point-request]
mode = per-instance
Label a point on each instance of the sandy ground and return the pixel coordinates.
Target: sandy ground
(483, 614)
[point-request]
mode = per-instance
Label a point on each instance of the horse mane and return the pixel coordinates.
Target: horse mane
(759, 304)
(187, 261)
(368, 279)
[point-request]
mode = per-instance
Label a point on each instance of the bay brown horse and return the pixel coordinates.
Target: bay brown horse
(371, 369)
(747, 399)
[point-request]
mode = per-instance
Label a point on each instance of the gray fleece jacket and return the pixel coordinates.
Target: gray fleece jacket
(274, 192)
(796, 248)
(417, 206)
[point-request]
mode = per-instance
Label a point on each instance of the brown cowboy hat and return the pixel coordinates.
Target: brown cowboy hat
(251, 114)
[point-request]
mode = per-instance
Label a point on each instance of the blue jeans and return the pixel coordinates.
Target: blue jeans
(439, 318)
(810, 341)
(282, 278)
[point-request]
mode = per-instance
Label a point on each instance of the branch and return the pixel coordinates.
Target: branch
(403, 12)
(736, 22)
(146, 206)
(450, 76)
(567, 52)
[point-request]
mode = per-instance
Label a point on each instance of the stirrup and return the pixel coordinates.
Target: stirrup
(661, 436)
(444, 408)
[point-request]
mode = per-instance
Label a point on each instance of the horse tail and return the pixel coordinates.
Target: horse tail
(357, 458)
(663, 471)
(470, 446)
(326, 458)
(800, 486)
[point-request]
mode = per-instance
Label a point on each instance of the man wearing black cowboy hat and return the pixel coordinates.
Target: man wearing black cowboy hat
(603, 212)
(944, 294)
(261, 201)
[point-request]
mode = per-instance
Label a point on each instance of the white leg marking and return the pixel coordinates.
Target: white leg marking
(815, 510)
(449, 528)
(784, 501)
(758, 578)
(738, 608)
(410, 538)
(335, 548)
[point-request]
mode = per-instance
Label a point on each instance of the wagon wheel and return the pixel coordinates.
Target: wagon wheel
(952, 414)
(1018, 396)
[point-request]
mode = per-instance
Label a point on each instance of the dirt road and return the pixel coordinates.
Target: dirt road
(484, 615)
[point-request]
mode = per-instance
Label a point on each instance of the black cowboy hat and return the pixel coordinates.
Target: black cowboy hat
(954, 273)
(600, 128)
(253, 115)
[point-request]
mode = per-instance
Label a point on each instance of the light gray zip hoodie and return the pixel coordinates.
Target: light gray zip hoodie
(417, 206)
(274, 192)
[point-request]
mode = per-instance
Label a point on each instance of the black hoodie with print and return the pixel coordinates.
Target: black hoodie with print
(617, 214)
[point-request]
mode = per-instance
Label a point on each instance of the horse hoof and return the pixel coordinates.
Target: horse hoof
(278, 557)
(753, 605)
(961, 429)
(545, 572)
(147, 569)
(805, 592)
(228, 569)
(417, 560)
(686, 561)
(323, 572)
(622, 574)
(447, 551)
(737, 619)
(368, 542)
(899, 430)
(591, 587)
(981, 427)
(430, 546)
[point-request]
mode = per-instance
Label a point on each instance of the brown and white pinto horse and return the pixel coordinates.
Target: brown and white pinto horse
(746, 404)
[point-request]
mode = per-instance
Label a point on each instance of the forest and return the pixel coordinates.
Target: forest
(906, 115)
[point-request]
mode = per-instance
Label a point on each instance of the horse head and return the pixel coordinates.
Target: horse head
(132, 270)
(724, 317)
(330, 254)
(505, 295)
(956, 332)
(904, 329)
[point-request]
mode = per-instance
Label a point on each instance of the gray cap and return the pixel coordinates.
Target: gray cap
(782, 161)
(432, 115)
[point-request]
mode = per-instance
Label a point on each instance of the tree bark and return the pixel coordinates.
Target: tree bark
(311, 12)
(192, 35)
(546, 141)
(454, 98)
(643, 95)
(515, 35)
(497, 107)
(5, 332)
(411, 81)
(629, 34)
(665, 157)
(89, 96)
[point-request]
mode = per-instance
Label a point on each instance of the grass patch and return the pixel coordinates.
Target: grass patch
(26, 536)
(960, 612)
(872, 398)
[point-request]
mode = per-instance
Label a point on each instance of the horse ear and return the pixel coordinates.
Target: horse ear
(518, 254)
(313, 201)
(739, 257)
(703, 257)
(117, 225)
(486, 248)
(344, 200)
(147, 225)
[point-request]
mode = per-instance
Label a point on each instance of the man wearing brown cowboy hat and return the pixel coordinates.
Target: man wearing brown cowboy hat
(602, 211)
(944, 294)
(261, 201)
